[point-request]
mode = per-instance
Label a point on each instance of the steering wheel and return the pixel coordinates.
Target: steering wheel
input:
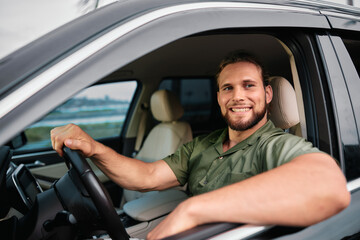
(98, 195)
(5, 157)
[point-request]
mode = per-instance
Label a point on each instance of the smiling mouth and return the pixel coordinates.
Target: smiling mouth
(240, 109)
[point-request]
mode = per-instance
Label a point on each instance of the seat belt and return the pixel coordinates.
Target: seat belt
(141, 128)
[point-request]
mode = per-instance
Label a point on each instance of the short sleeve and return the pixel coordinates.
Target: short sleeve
(178, 162)
(278, 150)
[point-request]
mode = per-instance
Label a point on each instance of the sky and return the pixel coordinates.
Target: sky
(22, 21)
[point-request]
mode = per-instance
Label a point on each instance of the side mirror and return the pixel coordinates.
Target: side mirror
(18, 141)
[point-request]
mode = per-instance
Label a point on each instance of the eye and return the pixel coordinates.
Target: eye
(227, 88)
(249, 85)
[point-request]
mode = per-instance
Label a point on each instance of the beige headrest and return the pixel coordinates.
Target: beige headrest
(165, 106)
(283, 107)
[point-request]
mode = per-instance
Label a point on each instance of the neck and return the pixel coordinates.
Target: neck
(236, 137)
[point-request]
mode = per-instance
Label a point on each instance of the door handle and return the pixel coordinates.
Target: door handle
(37, 163)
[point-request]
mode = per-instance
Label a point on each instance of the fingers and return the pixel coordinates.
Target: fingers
(75, 144)
(55, 141)
(73, 137)
(61, 136)
(177, 221)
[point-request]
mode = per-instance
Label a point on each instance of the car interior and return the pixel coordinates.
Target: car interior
(199, 56)
(160, 118)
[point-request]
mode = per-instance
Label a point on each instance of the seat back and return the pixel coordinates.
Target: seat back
(283, 107)
(166, 137)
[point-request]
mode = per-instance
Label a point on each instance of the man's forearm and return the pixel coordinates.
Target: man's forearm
(302, 192)
(127, 172)
(122, 170)
(133, 174)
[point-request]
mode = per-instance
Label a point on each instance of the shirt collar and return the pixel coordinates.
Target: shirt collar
(243, 144)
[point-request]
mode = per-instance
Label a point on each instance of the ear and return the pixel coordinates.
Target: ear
(268, 94)
(217, 94)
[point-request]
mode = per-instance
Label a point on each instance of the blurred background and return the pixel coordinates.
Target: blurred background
(22, 21)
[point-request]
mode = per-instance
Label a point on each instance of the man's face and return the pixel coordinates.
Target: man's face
(242, 97)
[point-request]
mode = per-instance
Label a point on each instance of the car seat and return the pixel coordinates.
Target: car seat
(167, 136)
(283, 107)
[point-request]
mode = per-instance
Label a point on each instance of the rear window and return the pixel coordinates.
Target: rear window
(198, 97)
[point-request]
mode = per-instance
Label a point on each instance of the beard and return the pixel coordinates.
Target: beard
(242, 125)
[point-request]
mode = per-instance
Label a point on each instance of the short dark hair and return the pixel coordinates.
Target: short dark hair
(242, 56)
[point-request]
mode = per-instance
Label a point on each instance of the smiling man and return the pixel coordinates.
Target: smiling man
(250, 172)
(243, 97)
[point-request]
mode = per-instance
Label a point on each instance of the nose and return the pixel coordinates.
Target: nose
(238, 94)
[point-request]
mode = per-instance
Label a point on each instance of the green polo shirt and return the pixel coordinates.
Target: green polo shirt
(203, 164)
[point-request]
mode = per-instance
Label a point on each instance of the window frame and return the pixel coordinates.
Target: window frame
(352, 83)
(341, 103)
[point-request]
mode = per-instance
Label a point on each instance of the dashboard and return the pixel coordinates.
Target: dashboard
(22, 186)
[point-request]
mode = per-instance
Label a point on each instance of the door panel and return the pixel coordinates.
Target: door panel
(47, 175)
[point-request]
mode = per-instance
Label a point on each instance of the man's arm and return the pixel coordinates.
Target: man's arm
(129, 173)
(302, 192)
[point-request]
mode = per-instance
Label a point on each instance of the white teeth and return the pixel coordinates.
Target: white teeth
(240, 109)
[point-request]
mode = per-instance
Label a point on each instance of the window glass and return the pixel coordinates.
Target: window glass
(100, 110)
(195, 96)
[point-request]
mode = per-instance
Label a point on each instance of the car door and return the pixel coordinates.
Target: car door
(128, 31)
(345, 81)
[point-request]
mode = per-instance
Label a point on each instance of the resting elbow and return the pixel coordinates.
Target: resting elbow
(337, 194)
(332, 203)
(327, 206)
(331, 200)
(342, 200)
(340, 195)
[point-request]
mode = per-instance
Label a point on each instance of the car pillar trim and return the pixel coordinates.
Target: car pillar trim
(42, 80)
